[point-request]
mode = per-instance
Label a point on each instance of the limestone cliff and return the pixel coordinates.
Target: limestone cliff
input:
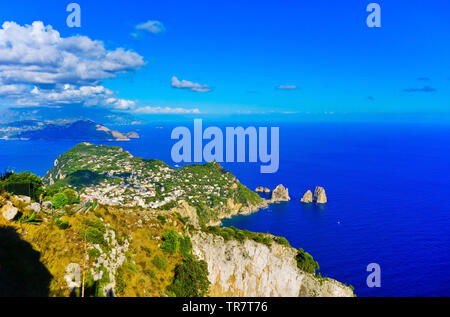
(254, 269)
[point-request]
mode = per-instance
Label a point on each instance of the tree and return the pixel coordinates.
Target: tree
(191, 279)
(25, 183)
(171, 241)
(59, 200)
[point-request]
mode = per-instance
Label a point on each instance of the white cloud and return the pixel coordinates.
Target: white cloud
(185, 84)
(71, 94)
(39, 67)
(165, 110)
(287, 87)
(37, 54)
(150, 26)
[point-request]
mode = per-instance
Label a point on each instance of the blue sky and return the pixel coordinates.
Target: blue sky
(241, 51)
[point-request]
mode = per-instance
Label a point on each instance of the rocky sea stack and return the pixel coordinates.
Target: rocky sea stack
(262, 189)
(307, 197)
(280, 193)
(320, 196)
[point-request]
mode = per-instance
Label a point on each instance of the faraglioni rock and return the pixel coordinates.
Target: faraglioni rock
(320, 196)
(262, 189)
(307, 197)
(280, 193)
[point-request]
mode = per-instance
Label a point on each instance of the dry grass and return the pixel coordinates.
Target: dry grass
(137, 277)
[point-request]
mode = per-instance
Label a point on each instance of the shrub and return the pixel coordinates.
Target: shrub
(306, 262)
(94, 236)
(169, 205)
(160, 262)
(161, 218)
(182, 219)
(59, 200)
(171, 241)
(186, 246)
(93, 253)
(282, 241)
(62, 224)
(71, 195)
(191, 279)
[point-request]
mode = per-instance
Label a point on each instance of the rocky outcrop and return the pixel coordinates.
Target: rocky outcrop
(251, 269)
(307, 197)
(23, 199)
(262, 189)
(9, 212)
(189, 212)
(34, 207)
(73, 276)
(280, 194)
(320, 196)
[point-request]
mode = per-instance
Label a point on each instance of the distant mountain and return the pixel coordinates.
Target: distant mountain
(80, 130)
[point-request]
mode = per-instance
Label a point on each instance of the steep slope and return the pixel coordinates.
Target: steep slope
(254, 269)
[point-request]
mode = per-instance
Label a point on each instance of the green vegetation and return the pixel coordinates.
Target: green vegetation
(160, 262)
(95, 288)
(161, 218)
(59, 200)
(93, 253)
(232, 233)
(245, 195)
(191, 279)
(306, 262)
(171, 241)
(282, 241)
(25, 183)
(72, 196)
(95, 231)
(32, 219)
(80, 179)
(62, 224)
(185, 246)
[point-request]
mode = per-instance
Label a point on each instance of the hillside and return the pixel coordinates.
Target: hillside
(114, 177)
(126, 226)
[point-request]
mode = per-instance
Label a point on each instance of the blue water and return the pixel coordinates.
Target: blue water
(388, 187)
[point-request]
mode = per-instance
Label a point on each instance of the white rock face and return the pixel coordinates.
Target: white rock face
(307, 197)
(35, 207)
(320, 196)
(24, 199)
(280, 194)
(9, 212)
(250, 269)
(73, 275)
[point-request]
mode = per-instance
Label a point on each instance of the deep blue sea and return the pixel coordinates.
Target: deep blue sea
(388, 187)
